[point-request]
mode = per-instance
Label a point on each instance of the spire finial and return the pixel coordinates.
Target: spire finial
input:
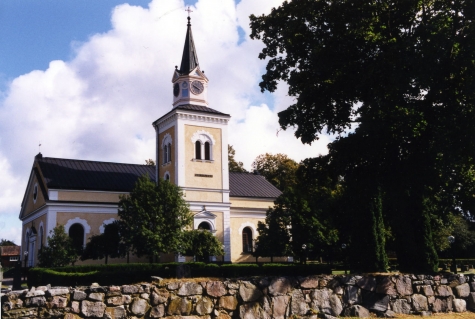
(189, 11)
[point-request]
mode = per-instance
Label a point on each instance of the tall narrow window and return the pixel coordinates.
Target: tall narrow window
(169, 152)
(165, 154)
(76, 232)
(197, 150)
(247, 240)
(207, 151)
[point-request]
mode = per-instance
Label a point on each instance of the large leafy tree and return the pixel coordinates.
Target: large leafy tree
(202, 244)
(60, 250)
(105, 245)
(402, 75)
(153, 217)
(234, 166)
(278, 169)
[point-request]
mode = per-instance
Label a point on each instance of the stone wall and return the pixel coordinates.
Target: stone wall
(263, 297)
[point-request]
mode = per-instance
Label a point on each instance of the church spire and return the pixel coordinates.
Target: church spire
(189, 60)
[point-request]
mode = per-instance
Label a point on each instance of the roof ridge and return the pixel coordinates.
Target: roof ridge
(90, 161)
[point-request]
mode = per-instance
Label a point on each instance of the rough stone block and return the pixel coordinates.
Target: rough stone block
(189, 289)
(130, 289)
(204, 306)
(79, 295)
(321, 300)
(215, 288)
(57, 291)
(298, 305)
(443, 291)
(419, 303)
(335, 305)
(252, 310)
(460, 305)
(249, 292)
(96, 296)
(116, 312)
(159, 295)
(93, 309)
(280, 286)
(228, 302)
(463, 290)
(310, 282)
(280, 307)
(179, 306)
(158, 311)
(404, 285)
(401, 306)
(386, 286)
(356, 311)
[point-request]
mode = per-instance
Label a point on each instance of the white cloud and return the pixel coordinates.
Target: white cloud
(101, 103)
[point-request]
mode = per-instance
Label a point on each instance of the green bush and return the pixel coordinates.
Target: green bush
(120, 274)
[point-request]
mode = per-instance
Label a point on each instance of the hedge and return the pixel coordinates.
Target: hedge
(120, 274)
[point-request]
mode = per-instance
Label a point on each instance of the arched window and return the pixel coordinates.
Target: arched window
(76, 232)
(198, 150)
(203, 142)
(247, 240)
(207, 151)
(204, 226)
(169, 146)
(167, 177)
(165, 155)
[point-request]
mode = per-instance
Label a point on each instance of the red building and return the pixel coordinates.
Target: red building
(9, 256)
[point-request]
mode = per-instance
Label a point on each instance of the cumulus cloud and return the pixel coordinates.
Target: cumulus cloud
(100, 104)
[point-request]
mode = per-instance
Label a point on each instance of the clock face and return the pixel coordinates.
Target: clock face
(197, 87)
(184, 85)
(176, 89)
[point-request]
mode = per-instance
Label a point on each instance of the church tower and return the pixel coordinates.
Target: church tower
(192, 147)
(190, 85)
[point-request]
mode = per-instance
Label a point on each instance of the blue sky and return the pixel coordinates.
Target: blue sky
(34, 32)
(86, 78)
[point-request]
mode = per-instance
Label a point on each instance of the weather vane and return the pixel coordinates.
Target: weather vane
(39, 147)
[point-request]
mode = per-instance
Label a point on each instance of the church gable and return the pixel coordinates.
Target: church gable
(35, 194)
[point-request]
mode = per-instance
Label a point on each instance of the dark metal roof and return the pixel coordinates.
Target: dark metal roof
(251, 185)
(189, 60)
(199, 108)
(62, 173)
(192, 107)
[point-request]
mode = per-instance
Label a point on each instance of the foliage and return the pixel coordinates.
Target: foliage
(6, 242)
(233, 165)
(202, 244)
(274, 235)
(150, 162)
(278, 169)
(121, 274)
(402, 75)
(291, 223)
(105, 245)
(60, 250)
(153, 217)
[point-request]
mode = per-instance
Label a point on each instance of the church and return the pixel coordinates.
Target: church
(191, 152)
